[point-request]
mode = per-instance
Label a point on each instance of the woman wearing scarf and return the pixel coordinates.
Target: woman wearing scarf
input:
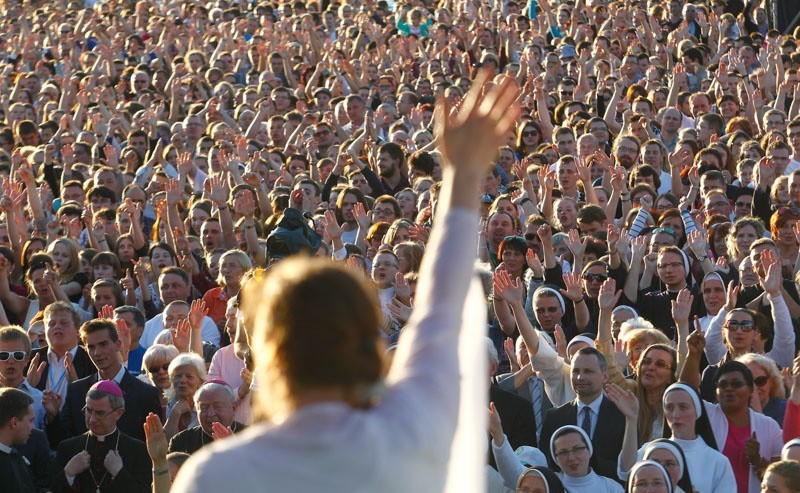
(539, 479)
(649, 476)
(571, 448)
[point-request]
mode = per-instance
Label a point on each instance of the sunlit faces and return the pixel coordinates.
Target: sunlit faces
(655, 368)
(185, 381)
(587, 376)
(572, 454)
(680, 413)
(713, 294)
(384, 267)
(649, 479)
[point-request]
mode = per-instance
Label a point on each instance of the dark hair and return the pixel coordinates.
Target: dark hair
(733, 367)
(588, 350)
(138, 316)
(14, 403)
(97, 325)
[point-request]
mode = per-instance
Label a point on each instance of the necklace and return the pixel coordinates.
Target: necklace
(91, 473)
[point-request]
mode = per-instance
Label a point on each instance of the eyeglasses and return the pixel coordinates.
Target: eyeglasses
(595, 277)
(742, 204)
(671, 265)
(733, 384)
(656, 484)
(761, 381)
(743, 326)
(94, 412)
(660, 364)
(156, 369)
(563, 454)
(530, 133)
(531, 237)
(18, 355)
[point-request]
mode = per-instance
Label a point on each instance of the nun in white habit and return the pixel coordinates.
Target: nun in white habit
(571, 449)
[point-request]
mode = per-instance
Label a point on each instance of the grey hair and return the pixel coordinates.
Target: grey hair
(116, 401)
(211, 387)
(189, 359)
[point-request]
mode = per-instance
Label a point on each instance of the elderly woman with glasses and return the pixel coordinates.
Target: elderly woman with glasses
(769, 386)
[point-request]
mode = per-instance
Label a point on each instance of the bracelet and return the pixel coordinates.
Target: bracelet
(160, 472)
(583, 298)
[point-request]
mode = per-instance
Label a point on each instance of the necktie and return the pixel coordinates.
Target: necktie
(536, 398)
(586, 423)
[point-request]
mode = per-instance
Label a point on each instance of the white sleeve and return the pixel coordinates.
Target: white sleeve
(783, 344)
(550, 367)
(715, 345)
(422, 394)
(508, 464)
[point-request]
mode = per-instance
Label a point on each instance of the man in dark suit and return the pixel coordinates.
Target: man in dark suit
(62, 353)
(598, 416)
(516, 414)
(16, 424)
(104, 459)
(102, 342)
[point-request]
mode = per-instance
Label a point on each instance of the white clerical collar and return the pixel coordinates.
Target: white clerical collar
(102, 438)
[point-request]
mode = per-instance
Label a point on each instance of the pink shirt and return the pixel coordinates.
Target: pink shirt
(226, 366)
(734, 451)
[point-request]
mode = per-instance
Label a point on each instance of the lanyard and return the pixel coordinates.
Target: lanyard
(54, 386)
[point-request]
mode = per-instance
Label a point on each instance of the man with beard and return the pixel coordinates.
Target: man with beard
(391, 159)
(498, 226)
(626, 151)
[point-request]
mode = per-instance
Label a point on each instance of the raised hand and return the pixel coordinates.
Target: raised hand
(72, 375)
(545, 234)
(127, 282)
(638, 248)
(732, 296)
(574, 286)
(752, 449)
(697, 242)
(575, 244)
(682, 306)
(495, 425)
(773, 280)
(509, 290)
(107, 312)
(36, 369)
(561, 341)
(361, 216)
(534, 263)
(625, 400)
(180, 337)
(399, 310)
(608, 297)
(155, 439)
(470, 136)
(402, 290)
(197, 313)
(696, 341)
(332, 228)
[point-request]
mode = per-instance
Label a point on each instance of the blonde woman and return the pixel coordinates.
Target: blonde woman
(769, 387)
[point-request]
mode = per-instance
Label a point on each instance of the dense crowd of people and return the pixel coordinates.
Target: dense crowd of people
(627, 173)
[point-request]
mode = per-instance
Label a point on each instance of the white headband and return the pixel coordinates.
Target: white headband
(682, 386)
(794, 442)
(644, 463)
(580, 338)
(558, 295)
(666, 445)
(563, 431)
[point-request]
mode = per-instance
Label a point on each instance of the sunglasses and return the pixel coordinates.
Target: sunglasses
(595, 277)
(761, 381)
(18, 355)
(531, 236)
(155, 369)
(744, 326)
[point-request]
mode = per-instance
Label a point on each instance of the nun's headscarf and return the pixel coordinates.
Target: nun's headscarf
(563, 431)
(684, 481)
(555, 293)
(645, 463)
(794, 442)
(625, 307)
(586, 338)
(551, 482)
